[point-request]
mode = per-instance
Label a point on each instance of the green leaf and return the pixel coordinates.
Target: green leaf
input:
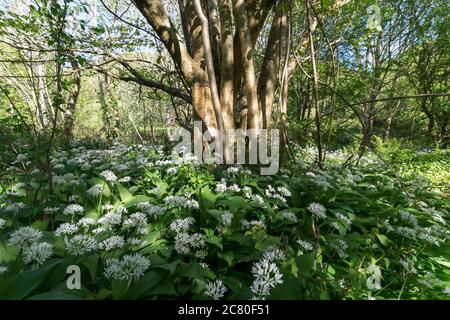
(235, 203)
(288, 290)
(193, 270)
(326, 4)
(164, 287)
(305, 263)
(119, 288)
(62, 293)
(21, 285)
(125, 195)
(8, 253)
(91, 263)
(135, 200)
(383, 239)
(40, 225)
(149, 280)
(213, 239)
(227, 256)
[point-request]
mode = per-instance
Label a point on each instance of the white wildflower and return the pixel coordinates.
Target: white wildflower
(340, 246)
(109, 176)
(86, 222)
(306, 245)
(446, 290)
(25, 236)
(130, 267)
(408, 265)
(110, 219)
(125, 179)
(114, 242)
(274, 254)
(98, 230)
(107, 207)
(179, 225)
(257, 199)
(267, 276)
(66, 229)
(234, 188)
(215, 290)
(221, 187)
(3, 269)
(171, 170)
(227, 218)
(137, 219)
(289, 216)
(343, 218)
(409, 218)
(184, 242)
(95, 191)
(37, 253)
(80, 245)
(73, 209)
(318, 210)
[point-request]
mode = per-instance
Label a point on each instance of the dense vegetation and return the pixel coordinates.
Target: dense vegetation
(90, 97)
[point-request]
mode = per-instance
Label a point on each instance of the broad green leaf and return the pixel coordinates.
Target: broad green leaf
(145, 283)
(19, 286)
(125, 195)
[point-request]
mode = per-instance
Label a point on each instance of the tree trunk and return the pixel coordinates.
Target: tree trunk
(69, 116)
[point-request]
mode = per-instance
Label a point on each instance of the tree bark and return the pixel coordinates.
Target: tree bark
(69, 115)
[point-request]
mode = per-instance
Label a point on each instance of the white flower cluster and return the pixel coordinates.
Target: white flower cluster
(179, 225)
(150, 209)
(409, 218)
(322, 182)
(273, 253)
(340, 246)
(3, 269)
(14, 207)
(66, 229)
(95, 191)
(73, 209)
(185, 243)
(109, 176)
(80, 245)
(306, 245)
(130, 267)
(257, 199)
(110, 219)
(344, 219)
(125, 179)
(215, 290)
(317, 210)
(137, 219)
(266, 276)
(24, 237)
(221, 187)
(249, 224)
(2, 223)
(408, 265)
(114, 242)
(280, 193)
(37, 253)
(289, 216)
(86, 222)
(181, 201)
(227, 218)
